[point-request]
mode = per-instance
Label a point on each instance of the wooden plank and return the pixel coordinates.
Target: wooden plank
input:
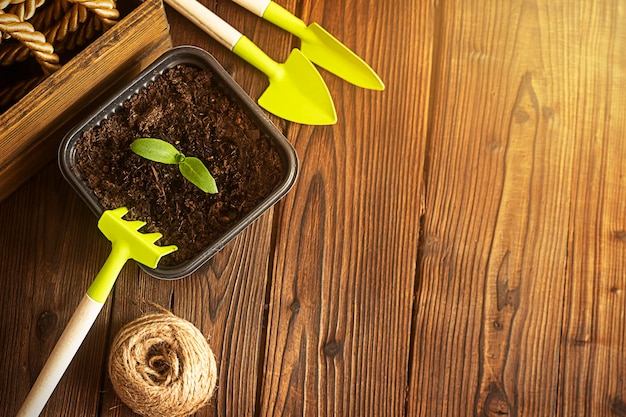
(593, 364)
(519, 125)
(43, 237)
(344, 270)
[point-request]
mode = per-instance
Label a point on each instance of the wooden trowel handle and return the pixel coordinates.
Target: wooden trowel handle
(61, 356)
(208, 21)
(255, 6)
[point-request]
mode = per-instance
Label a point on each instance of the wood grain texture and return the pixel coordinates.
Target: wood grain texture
(521, 262)
(344, 268)
(593, 365)
(454, 246)
(41, 290)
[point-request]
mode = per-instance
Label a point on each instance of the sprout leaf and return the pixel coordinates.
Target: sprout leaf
(194, 170)
(156, 150)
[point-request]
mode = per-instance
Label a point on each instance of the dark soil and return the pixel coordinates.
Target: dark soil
(185, 107)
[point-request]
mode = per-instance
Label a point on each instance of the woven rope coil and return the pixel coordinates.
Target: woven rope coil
(53, 11)
(54, 34)
(35, 41)
(162, 365)
(71, 21)
(44, 29)
(26, 9)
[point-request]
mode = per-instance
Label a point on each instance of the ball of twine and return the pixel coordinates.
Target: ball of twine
(162, 365)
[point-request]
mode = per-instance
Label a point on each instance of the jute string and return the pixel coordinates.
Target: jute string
(162, 365)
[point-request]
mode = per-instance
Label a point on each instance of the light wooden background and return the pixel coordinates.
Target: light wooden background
(454, 245)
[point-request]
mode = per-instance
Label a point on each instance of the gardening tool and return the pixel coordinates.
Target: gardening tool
(127, 243)
(318, 45)
(296, 91)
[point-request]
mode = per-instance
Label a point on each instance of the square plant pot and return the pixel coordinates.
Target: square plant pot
(185, 98)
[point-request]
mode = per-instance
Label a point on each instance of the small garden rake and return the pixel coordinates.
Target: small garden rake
(127, 243)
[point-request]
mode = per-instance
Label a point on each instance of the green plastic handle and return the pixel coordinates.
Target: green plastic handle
(284, 19)
(101, 286)
(246, 49)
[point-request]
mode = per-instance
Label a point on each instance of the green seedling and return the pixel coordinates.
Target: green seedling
(193, 169)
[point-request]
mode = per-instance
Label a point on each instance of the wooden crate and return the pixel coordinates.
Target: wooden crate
(31, 130)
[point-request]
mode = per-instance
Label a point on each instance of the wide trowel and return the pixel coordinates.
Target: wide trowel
(126, 243)
(318, 45)
(296, 90)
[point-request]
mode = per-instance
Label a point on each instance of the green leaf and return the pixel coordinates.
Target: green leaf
(194, 170)
(156, 150)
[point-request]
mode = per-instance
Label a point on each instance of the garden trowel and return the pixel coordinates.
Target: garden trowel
(318, 45)
(296, 91)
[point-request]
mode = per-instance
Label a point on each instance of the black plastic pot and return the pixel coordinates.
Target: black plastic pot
(199, 58)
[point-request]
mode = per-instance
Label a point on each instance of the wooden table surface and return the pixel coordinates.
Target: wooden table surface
(453, 246)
